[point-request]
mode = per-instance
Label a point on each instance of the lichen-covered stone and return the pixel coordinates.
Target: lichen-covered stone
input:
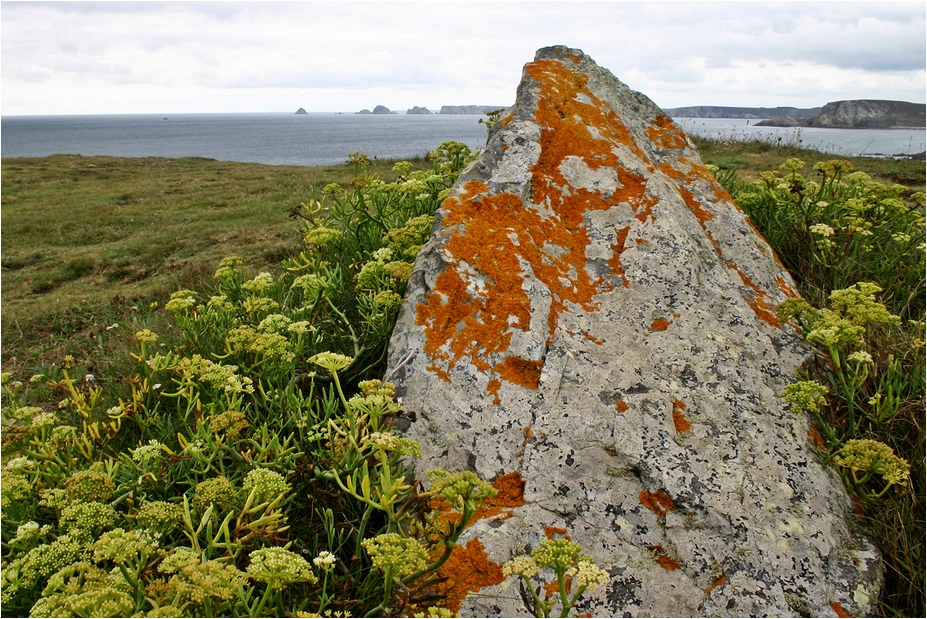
(594, 313)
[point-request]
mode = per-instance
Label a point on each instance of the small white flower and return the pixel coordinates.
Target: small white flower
(156, 386)
(89, 378)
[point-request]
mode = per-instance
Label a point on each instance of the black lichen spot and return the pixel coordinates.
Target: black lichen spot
(623, 593)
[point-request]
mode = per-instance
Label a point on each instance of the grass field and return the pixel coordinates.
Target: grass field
(86, 238)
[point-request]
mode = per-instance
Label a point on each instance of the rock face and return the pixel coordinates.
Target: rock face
(870, 114)
(593, 318)
(862, 114)
(715, 111)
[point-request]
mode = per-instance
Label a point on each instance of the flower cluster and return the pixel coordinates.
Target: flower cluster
(41, 562)
(375, 405)
(311, 283)
(267, 485)
(869, 456)
(278, 567)
(194, 581)
(462, 490)
(805, 396)
(89, 485)
(387, 441)
(587, 575)
(219, 376)
(325, 561)
(229, 424)
(274, 323)
(147, 455)
(228, 268)
(160, 517)
(124, 547)
(146, 335)
(321, 235)
(83, 590)
(181, 301)
(260, 305)
(520, 566)
(407, 241)
(266, 345)
(396, 555)
(260, 284)
(217, 491)
(558, 554)
(377, 387)
(857, 303)
(331, 361)
(90, 517)
(387, 299)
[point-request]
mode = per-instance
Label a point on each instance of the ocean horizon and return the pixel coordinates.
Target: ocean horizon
(320, 138)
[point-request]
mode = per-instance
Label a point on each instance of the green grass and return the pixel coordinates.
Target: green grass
(86, 238)
(750, 158)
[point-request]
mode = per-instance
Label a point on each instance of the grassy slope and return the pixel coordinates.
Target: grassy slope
(80, 232)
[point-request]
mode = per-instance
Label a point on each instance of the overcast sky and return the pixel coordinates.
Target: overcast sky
(159, 57)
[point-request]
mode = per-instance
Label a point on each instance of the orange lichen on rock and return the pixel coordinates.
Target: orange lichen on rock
(503, 240)
(680, 421)
(816, 438)
(468, 570)
(510, 493)
(549, 532)
(838, 608)
(621, 406)
(617, 248)
(657, 502)
(520, 371)
(761, 302)
(717, 582)
(666, 134)
(664, 560)
(660, 324)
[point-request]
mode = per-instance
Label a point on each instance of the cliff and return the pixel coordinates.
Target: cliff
(469, 109)
(418, 110)
(715, 111)
(860, 114)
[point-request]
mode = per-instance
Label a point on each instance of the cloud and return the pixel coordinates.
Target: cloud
(225, 56)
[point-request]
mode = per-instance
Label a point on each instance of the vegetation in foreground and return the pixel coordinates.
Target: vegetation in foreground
(216, 442)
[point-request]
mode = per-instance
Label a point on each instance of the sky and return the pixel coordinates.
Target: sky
(176, 57)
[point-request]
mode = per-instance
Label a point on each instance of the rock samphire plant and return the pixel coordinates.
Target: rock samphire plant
(248, 466)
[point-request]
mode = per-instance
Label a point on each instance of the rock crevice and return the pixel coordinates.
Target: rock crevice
(595, 314)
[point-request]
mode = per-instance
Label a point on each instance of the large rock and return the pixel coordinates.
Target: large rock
(593, 317)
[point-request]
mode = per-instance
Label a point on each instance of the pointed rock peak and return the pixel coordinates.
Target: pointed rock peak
(594, 315)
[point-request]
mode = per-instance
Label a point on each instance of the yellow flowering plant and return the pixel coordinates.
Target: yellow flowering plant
(247, 437)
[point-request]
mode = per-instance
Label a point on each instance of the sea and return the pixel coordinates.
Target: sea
(317, 139)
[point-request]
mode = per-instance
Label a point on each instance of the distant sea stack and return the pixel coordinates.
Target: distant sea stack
(301, 111)
(418, 110)
(469, 109)
(860, 114)
(380, 109)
